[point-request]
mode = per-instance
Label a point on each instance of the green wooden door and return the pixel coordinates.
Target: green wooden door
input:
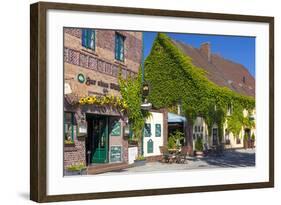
(99, 140)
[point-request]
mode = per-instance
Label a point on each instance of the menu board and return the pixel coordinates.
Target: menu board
(115, 153)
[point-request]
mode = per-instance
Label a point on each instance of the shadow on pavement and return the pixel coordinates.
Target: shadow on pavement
(232, 158)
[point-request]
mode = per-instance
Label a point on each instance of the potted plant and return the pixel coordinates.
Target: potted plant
(199, 147)
(246, 140)
(68, 140)
(76, 169)
(171, 143)
(253, 138)
(175, 139)
(140, 161)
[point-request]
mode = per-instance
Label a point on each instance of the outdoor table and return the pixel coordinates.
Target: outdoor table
(174, 153)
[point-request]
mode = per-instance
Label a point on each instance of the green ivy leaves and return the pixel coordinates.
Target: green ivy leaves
(174, 78)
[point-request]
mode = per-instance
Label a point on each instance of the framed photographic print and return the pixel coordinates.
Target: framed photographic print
(136, 102)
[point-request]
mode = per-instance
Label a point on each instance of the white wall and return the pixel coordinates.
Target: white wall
(156, 118)
(14, 152)
(132, 154)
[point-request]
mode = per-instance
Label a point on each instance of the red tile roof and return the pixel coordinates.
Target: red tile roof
(221, 71)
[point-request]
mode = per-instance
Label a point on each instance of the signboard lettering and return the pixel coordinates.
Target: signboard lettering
(116, 153)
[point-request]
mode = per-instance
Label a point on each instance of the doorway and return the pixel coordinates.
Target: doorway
(215, 136)
(97, 140)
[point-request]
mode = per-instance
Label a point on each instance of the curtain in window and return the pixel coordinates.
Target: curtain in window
(119, 47)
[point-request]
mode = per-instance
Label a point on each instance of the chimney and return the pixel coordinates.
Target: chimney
(205, 49)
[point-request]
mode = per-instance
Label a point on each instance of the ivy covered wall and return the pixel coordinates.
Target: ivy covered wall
(173, 79)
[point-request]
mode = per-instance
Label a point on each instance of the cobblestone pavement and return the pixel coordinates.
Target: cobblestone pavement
(230, 159)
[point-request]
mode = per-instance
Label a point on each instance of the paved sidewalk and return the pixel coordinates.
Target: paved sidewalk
(230, 159)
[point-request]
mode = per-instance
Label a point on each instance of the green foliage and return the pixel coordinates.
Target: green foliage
(140, 157)
(199, 144)
(130, 89)
(246, 136)
(174, 78)
(68, 141)
(253, 137)
(76, 167)
(174, 139)
(235, 121)
(171, 143)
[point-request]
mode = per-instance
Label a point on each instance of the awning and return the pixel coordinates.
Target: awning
(174, 118)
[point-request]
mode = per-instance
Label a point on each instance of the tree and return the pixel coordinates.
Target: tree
(130, 89)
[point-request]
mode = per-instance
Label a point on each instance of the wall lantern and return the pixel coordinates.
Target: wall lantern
(145, 89)
(126, 130)
(82, 127)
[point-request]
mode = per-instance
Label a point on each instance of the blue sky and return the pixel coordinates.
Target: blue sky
(236, 48)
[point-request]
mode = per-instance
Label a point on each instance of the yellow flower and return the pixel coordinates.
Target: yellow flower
(90, 100)
(82, 101)
(125, 105)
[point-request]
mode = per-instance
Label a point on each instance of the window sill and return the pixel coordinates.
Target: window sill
(89, 51)
(120, 62)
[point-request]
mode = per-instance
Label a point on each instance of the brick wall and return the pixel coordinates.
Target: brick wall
(75, 153)
(99, 64)
(105, 46)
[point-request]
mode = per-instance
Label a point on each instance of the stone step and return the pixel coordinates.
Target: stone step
(101, 168)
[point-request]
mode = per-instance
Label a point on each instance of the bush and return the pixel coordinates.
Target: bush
(246, 136)
(253, 137)
(141, 157)
(76, 167)
(174, 140)
(199, 144)
(171, 143)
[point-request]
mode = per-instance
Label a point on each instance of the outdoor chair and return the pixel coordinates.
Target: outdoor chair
(181, 158)
(166, 156)
(219, 150)
(206, 149)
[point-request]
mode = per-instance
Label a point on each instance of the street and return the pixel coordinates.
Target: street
(230, 159)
